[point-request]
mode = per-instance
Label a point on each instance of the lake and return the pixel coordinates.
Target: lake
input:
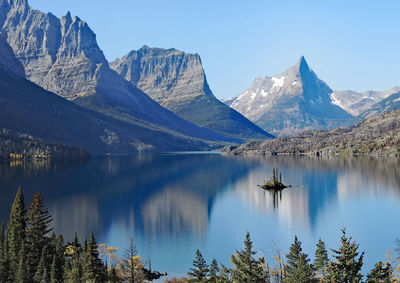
(173, 204)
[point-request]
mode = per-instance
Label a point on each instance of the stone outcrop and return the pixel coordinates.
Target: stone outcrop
(177, 81)
(8, 62)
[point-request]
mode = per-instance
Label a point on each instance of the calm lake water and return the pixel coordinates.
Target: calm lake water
(174, 204)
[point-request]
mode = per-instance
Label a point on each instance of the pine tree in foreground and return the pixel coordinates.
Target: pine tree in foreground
(297, 268)
(214, 271)
(321, 259)
(347, 263)
(5, 275)
(57, 248)
(246, 268)
(21, 275)
(72, 265)
(16, 231)
(38, 221)
(225, 275)
(381, 273)
(200, 270)
(42, 271)
(92, 267)
(4, 263)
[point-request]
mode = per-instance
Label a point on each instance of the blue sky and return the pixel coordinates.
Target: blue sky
(349, 44)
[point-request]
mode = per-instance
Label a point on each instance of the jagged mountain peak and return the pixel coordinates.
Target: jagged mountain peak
(77, 19)
(302, 63)
(300, 69)
(303, 66)
(289, 102)
(62, 56)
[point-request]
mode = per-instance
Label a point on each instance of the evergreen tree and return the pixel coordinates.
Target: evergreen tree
(246, 267)
(225, 275)
(57, 250)
(380, 273)
(347, 265)
(92, 267)
(5, 275)
(112, 275)
(2, 239)
(3, 254)
(22, 275)
(200, 270)
(54, 271)
(37, 227)
(292, 257)
(16, 231)
(214, 271)
(321, 259)
(297, 268)
(42, 271)
(72, 266)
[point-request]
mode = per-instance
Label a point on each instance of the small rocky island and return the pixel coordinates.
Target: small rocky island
(274, 183)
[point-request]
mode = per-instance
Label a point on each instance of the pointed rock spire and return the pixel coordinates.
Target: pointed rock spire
(302, 64)
(68, 16)
(65, 22)
(77, 19)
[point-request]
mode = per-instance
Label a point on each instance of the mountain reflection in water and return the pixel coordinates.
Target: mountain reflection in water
(174, 204)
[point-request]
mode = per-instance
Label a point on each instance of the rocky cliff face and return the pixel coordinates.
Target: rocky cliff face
(62, 56)
(293, 101)
(8, 62)
(177, 81)
(169, 76)
(28, 110)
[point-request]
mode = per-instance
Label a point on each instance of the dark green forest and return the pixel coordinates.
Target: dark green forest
(31, 252)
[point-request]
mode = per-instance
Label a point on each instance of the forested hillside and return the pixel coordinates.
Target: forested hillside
(379, 135)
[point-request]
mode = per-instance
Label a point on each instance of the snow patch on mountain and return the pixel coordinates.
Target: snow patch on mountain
(278, 83)
(290, 102)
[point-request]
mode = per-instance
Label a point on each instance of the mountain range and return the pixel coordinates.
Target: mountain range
(298, 100)
(57, 86)
(388, 104)
(177, 81)
(358, 102)
(28, 109)
(62, 57)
